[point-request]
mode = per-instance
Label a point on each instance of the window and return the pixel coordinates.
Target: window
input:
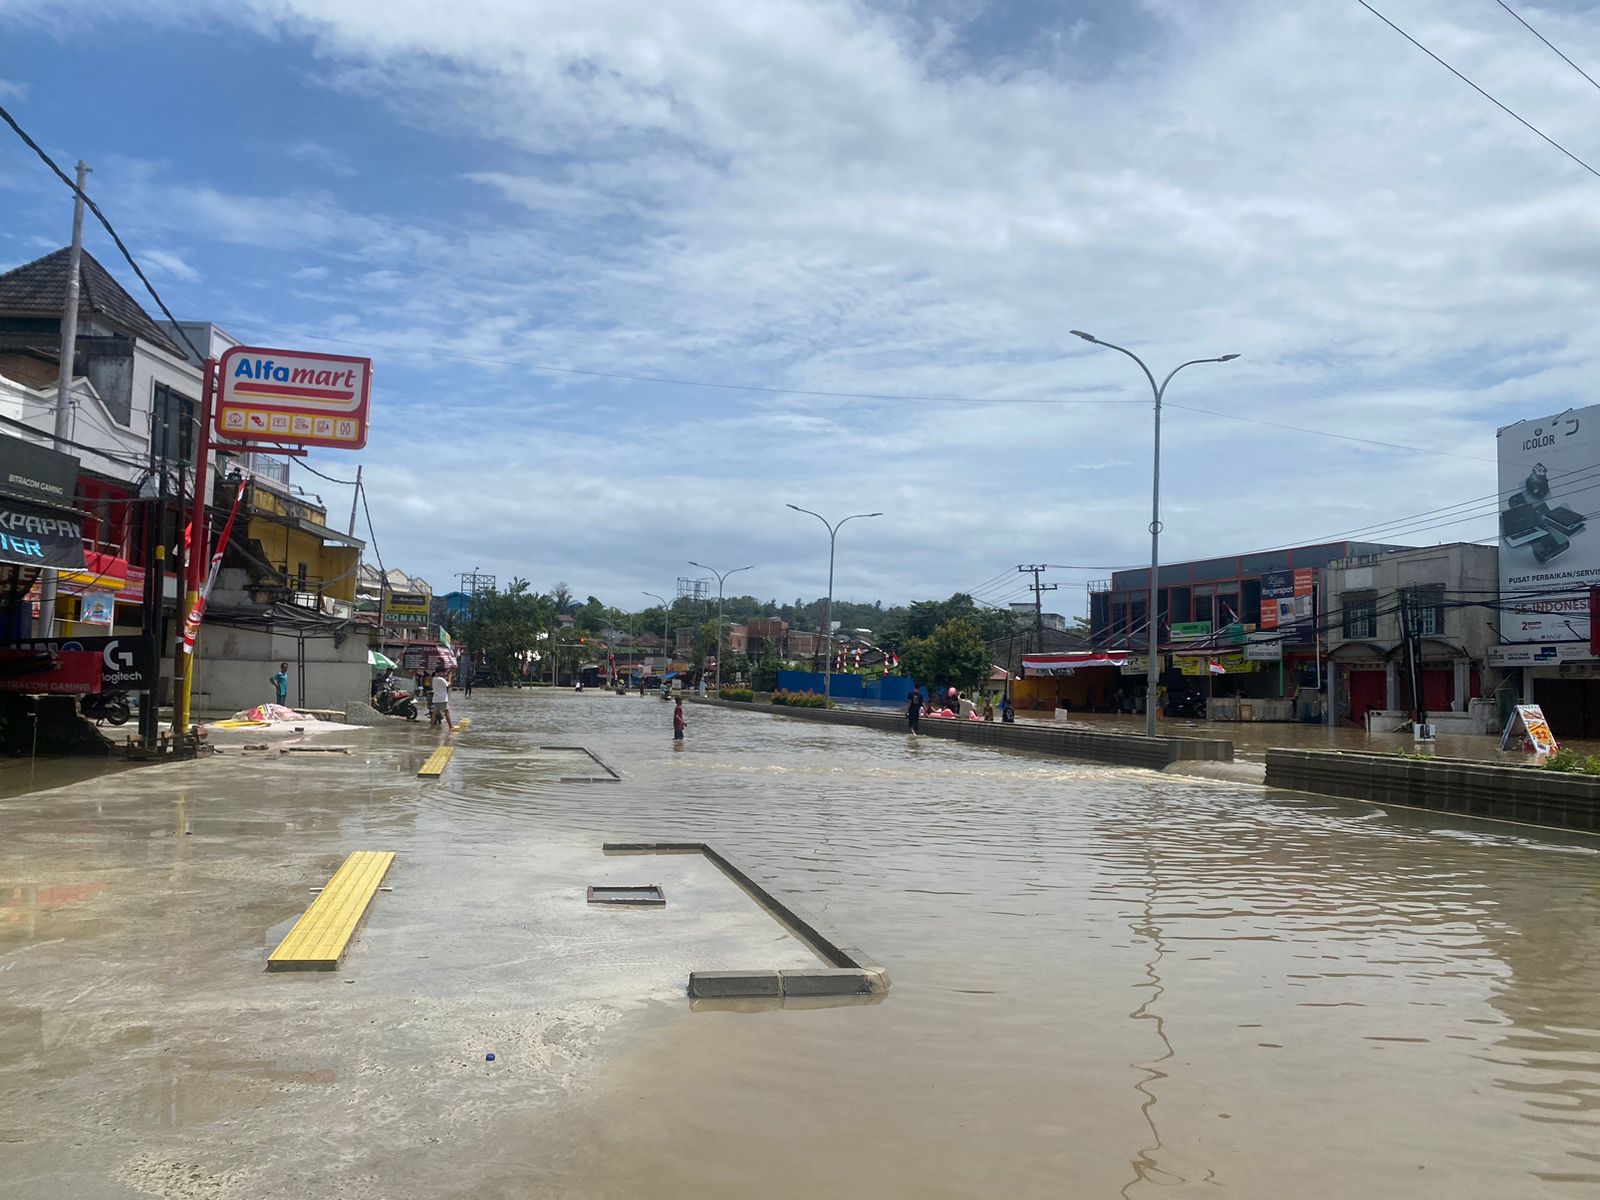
(177, 414)
(1360, 617)
(1427, 607)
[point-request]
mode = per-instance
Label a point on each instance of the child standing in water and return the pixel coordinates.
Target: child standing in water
(677, 721)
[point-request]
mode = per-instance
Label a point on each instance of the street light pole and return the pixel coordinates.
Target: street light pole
(721, 575)
(1152, 615)
(666, 615)
(827, 612)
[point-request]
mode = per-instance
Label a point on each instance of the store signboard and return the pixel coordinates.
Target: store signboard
(1189, 631)
(95, 608)
(42, 672)
(1137, 664)
(1264, 647)
(127, 662)
(1549, 558)
(407, 608)
(1548, 654)
(30, 472)
(294, 397)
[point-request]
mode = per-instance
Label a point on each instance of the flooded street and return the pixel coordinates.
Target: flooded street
(1106, 981)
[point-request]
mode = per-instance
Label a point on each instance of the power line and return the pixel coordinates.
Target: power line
(1345, 437)
(1503, 108)
(1548, 42)
(766, 389)
(101, 217)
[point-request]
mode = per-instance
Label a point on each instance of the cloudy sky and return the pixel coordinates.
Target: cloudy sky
(901, 206)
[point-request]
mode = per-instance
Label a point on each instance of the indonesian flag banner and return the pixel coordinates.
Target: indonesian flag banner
(191, 623)
(1215, 667)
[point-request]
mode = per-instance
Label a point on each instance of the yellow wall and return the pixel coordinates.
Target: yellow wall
(334, 565)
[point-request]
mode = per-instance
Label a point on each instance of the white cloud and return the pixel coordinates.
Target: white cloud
(830, 197)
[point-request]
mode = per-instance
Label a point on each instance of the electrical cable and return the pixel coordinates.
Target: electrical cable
(1343, 437)
(766, 389)
(1502, 107)
(101, 217)
(1548, 42)
(329, 478)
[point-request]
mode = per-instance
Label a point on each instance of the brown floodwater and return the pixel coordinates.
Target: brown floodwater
(1107, 982)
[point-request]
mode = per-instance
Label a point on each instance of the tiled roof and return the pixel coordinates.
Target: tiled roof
(39, 289)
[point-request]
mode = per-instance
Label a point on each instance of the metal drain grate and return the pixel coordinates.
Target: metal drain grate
(650, 895)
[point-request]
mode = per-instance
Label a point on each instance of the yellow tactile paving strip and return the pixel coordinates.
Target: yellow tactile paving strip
(437, 761)
(318, 940)
(462, 725)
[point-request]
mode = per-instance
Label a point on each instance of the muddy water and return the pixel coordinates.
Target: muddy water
(1107, 983)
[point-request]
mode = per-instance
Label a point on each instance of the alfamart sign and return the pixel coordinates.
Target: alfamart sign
(294, 397)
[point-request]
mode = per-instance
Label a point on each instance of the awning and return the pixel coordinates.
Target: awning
(1066, 664)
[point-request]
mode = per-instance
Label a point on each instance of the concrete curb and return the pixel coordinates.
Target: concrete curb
(1464, 787)
(852, 973)
(1117, 749)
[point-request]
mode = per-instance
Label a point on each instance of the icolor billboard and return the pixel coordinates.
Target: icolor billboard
(294, 397)
(1549, 472)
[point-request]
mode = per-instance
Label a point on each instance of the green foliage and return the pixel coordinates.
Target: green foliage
(954, 653)
(1570, 762)
(764, 676)
(924, 617)
(799, 699)
(504, 626)
(733, 693)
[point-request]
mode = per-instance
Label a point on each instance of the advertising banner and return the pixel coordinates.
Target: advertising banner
(1275, 586)
(127, 663)
(39, 537)
(1188, 631)
(1549, 557)
(94, 608)
(50, 672)
(295, 397)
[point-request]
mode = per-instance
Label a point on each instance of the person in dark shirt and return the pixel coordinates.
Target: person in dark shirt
(914, 710)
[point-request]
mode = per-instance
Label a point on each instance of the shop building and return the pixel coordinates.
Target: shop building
(1448, 595)
(1238, 635)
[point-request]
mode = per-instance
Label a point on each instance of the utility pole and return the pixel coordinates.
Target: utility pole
(355, 498)
(69, 349)
(1037, 569)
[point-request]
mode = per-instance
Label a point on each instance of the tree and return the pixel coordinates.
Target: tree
(504, 626)
(954, 653)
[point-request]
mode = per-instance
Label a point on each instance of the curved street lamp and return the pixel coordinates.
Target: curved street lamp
(666, 615)
(827, 613)
(1153, 673)
(721, 575)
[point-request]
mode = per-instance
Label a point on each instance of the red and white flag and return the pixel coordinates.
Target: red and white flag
(191, 623)
(1215, 667)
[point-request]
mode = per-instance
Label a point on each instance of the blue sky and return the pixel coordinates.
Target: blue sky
(900, 199)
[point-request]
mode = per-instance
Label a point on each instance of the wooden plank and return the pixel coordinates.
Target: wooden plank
(437, 761)
(319, 938)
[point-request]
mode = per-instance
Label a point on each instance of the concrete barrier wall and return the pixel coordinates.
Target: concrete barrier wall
(1453, 785)
(1122, 749)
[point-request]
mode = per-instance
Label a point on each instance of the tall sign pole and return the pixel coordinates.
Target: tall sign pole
(69, 350)
(199, 543)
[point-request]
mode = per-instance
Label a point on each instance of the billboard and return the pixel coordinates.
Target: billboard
(293, 396)
(1548, 555)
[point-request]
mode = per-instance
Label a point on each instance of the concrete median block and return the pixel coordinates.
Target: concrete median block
(705, 985)
(832, 981)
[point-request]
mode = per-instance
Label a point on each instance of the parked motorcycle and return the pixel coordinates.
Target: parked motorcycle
(397, 702)
(109, 707)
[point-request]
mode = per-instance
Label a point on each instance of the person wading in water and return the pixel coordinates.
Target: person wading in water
(914, 711)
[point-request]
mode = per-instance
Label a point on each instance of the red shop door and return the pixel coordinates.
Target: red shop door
(1368, 689)
(1438, 688)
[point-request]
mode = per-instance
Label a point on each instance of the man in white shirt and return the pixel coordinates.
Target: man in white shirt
(440, 709)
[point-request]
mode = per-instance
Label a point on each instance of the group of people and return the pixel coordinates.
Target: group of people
(954, 704)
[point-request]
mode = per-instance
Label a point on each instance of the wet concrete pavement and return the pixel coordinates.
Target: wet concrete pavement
(1106, 981)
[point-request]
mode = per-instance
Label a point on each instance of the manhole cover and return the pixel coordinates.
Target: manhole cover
(650, 894)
